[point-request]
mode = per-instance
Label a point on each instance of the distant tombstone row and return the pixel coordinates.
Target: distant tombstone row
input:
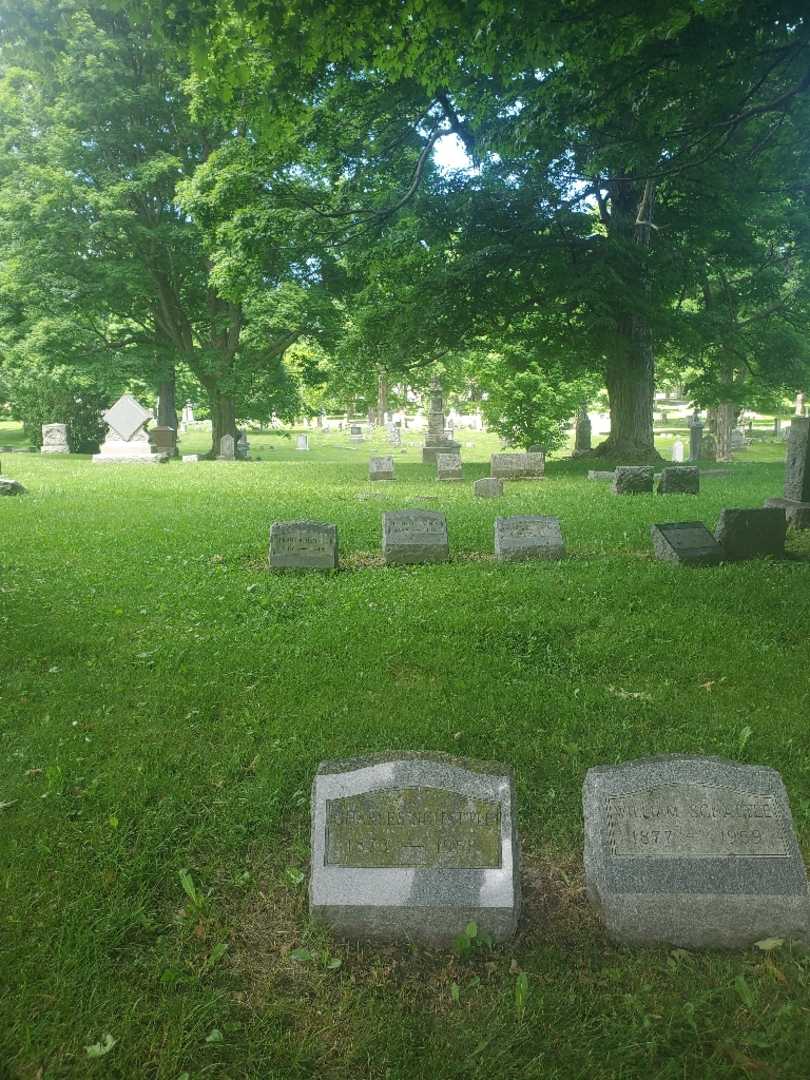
(696, 852)
(639, 480)
(410, 537)
(740, 534)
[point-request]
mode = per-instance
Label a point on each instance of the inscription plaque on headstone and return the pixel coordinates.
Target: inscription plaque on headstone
(414, 536)
(687, 542)
(693, 851)
(414, 848)
(304, 545)
(528, 536)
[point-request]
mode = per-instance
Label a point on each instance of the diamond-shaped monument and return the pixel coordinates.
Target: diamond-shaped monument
(126, 416)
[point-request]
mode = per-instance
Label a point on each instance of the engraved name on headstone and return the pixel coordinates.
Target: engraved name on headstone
(518, 466)
(414, 848)
(693, 851)
(414, 536)
(527, 536)
(304, 545)
(381, 468)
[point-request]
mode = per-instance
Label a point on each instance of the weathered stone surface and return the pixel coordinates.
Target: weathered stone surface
(127, 439)
(488, 487)
(680, 480)
(54, 439)
(797, 465)
(413, 848)
(11, 487)
(164, 440)
(697, 852)
(633, 479)
(748, 534)
(303, 545)
(191, 457)
(414, 536)
(601, 474)
(242, 447)
(227, 448)
(687, 542)
(695, 437)
(678, 450)
(448, 467)
(302, 442)
(738, 440)
(527, 536)
(381, 468)
(518, 466)
(797, 514)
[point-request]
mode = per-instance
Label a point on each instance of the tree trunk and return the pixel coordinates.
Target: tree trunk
(582, 431)
(223, 416)
(630, 382)
(382, 397)
(726, 414)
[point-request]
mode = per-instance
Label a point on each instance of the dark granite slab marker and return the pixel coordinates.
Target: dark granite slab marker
(687, 542)
(679, 480)
(797, 514)
(693, 851)
(414, 847)
(303, 545)
(528, 536)
(750, 534)
(414, 536)
(633, 479)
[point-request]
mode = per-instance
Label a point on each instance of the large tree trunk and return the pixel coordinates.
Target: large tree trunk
(726, 418)
(223, 416)
(630, 378)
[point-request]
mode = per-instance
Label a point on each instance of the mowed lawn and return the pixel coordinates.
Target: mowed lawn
(165, 701)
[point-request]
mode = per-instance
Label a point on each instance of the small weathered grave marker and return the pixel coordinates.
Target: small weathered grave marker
(687, 542)
(488, 487)
(633, 479)
(680, 480)
(414, 536)
(751, 534)
(381, 468)
(448, 467)
(518, 466)
(527, 536)
(303, 545)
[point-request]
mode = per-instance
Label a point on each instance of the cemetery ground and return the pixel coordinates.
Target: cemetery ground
(165, 701)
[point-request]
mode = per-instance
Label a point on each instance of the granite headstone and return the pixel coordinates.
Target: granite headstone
(697, 852)
(303, 545)
(414, 536)
(633, 479)
(488, 487)
(527, 536)
(679, 480)
(381, 468)
(448, 467)
(750, 534)
(687, 542)
(414, 848)
(518, 466)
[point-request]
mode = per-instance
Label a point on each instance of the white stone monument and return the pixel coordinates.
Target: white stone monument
(127, 439)
(677, 450)
(54, 439)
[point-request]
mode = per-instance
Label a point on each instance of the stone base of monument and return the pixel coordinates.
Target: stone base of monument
(430, 450)
(414, 848)
(697, 852)
(138, 452)
(797, 514)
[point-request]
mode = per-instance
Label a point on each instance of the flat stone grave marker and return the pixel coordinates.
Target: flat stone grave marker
(414, 536)
(303, 545)
(413, 848)
(601, 474)
(697, 852)
(750, 534)
(517, 466)
(687, 542)
(527, 536)
(448, 467)
(680, 480)
(381, 468)
(488, 487)
(11, 487)
(633, 479)
(190, 457)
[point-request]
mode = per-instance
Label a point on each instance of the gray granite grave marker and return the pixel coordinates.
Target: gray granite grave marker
(518, 466)
(381, 468)
(54, 439)
(687, 542)
(448, 467)
(749, 534)
(304, 545)
(414, 536)
(679, 480)
(227, 450)
(302, 442)
(633, 479)
(527, 536)
(488, 487)
(413, 848)
(693, 851)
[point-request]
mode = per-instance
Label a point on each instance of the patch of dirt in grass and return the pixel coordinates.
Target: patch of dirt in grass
(362, 560)
(555, 906)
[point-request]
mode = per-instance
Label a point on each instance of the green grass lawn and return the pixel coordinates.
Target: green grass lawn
(165, 701)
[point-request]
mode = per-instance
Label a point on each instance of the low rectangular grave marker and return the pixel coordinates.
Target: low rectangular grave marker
(381, 468)
(633, 479)
(693, 851)
(518, 466)
(448, 467)
(414, 536)
(414, 847)
(303, 545)
(680, 480)
(488, 487)
(528, 536)
(687, 542)
(751, 534)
